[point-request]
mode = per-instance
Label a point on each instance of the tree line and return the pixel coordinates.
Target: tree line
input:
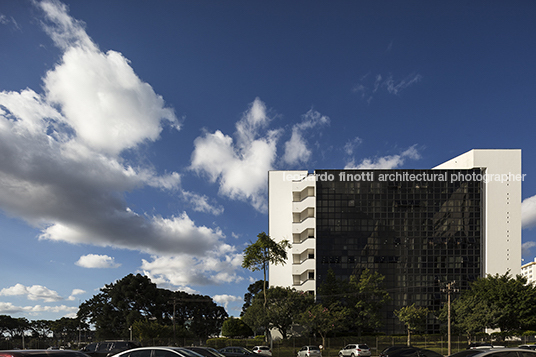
(134, 307)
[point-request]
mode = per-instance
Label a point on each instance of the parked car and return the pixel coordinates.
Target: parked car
(234, 351)
(41, 353)
(528, 347)
(108, 348)
(404, 351)
(355, 350)
(158, 352)
(496, 352)
(309, 351)
(389, 350)
(262, 350)
(206, 351)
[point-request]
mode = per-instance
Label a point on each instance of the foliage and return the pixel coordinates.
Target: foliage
(282, 309)
(322, 320)
(253, 289)
(363, 295)
(265, 251)
(136, 298)
(496, 301)
(413, 317)
(235, 328)
(149, 330)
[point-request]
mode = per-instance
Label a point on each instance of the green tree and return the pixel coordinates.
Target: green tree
(367, 297)
(265, 251)
(413, 317)
(362, 294)
(253, 290)
(136, 298)
(233, 327)
(323, 320)
(282, 309)
(496, 301)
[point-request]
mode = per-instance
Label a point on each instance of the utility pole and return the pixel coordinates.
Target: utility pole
(449, 290)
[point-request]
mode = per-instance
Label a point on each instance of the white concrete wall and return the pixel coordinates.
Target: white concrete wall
(502, 205)
(280, 226)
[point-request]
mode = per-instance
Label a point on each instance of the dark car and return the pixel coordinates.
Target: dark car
(496, 352)
(233, 351)
(405, 351)
(108, 348)
(41, 353)
(206, 351)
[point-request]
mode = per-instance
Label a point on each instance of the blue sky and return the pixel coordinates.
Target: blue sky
(136, 136)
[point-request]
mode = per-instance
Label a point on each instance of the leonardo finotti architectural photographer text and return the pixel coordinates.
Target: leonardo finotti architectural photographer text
(406, 176)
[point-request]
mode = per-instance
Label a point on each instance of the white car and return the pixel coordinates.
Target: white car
(309, 351)
(355, 350)
(262, 350)
(158, 352)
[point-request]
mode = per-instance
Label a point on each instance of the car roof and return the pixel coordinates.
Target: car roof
(481, 352)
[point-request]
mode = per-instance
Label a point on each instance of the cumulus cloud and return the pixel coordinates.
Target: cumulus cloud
(34, 292)
(9, 308)
(297, 150)
(385, 162)
(63, 169)
(239, 165)
(74, 293)
(97, 261)
(218, 266)
(528, 212)
(225, 299)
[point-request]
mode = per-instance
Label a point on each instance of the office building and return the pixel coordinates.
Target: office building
(529, 271)
(419, 228)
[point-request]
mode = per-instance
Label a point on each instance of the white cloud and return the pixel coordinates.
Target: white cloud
(225, 299)
(385, 162)
(528, 212)
(296, 149)
(61, 168)
(218, 266)
(34, 292)
(74, 293)
(527, 247)
(240, 167)
(9, 308)
(97, 261)
(201, 203)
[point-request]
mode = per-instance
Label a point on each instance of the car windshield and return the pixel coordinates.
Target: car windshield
(314, 348)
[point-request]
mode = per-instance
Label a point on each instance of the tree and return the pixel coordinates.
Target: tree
(367, 297)
(253, 290)
(413, 317)
(265, 251)
(362, 294)
(282, 309)
(136, 298)
(323, 320)
(496, 301)
(233, 327)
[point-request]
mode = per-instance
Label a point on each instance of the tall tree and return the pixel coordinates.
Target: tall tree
(253, 290)
(265, 251)
(413, 317)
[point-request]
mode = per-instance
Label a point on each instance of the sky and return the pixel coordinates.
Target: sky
(136, 136)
